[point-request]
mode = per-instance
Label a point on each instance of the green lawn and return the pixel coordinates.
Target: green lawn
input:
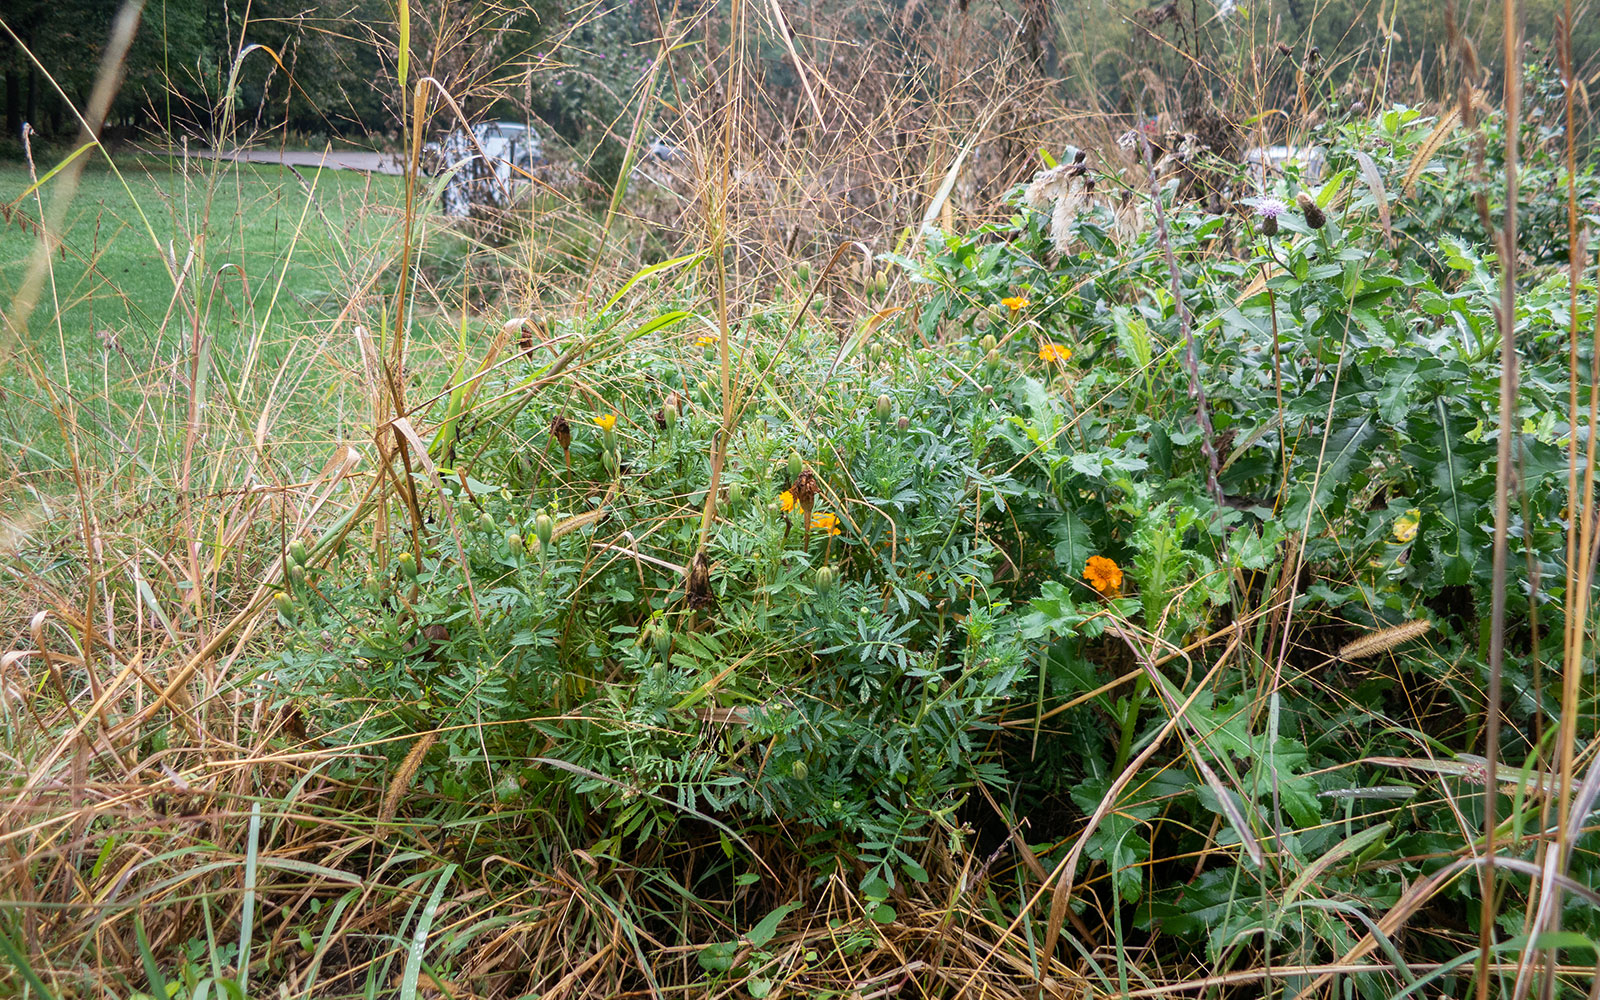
(261, 260)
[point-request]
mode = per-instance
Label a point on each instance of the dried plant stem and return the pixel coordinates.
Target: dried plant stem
(1503, 481)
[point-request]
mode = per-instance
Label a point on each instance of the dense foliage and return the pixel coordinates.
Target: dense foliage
(968, 559)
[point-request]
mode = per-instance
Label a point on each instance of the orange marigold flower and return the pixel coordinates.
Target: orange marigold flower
(825, 523)
(606, 421)
(1016, 303)
(1104, 575)
(1055, 352)
(787, 500)
(706, 341)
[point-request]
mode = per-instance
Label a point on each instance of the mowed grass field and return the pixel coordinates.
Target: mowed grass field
(247, 280)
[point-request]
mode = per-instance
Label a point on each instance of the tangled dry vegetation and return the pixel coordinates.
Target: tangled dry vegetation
(853, 556)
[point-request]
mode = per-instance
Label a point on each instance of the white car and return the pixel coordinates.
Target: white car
(509, 149)
(1267, 162)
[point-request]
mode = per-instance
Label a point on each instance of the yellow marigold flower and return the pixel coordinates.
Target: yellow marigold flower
(825, 523)
(787, 500)
(1015, 303)
(706, 341)
(1055, 352)
(1405, 526)
(606, 421)
(1104, 575)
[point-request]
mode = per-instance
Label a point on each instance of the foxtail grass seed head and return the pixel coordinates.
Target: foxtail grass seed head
(1384, 639)
(543, 527)
(884, 407)
(1315, 218)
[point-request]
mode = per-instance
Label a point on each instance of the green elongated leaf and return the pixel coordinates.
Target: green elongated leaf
(661, 268)
(763, 932)
(419, 937)
(403, 16)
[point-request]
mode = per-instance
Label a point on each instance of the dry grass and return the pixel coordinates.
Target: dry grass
(156, 798)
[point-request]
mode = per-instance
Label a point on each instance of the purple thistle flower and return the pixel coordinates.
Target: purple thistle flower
(1270, 208)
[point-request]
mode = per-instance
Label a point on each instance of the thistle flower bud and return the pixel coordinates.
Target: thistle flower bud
(1315, 218)
(543, 526)
(884, 407)
(1269, 226)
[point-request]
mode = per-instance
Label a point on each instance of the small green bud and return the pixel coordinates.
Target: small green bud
(824, 579)
(988, 390)
(988, 344)
(373, 586)
(903, 422)
(795, 466)
(297, 552)
(408, 565)
(285, 605)
(993, 357)
(803, 272)
(735, 495)
(662, 640)
(297, 576)
(514, 542)
(884, 407)
(486, 523)
(543, 526)
(608, 458)
(799, 770)
(670, 415)
(874, 352)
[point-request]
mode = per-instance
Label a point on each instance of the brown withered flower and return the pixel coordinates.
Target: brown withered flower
(674, 401)
(697, 586)
(805, 491)
(562, 432)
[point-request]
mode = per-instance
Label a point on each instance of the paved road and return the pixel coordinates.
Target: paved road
(350, 159)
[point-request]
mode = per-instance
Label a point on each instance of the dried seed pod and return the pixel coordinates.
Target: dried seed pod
(1315, 218)
(697, 585)
(805, 491)
(562, 432)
